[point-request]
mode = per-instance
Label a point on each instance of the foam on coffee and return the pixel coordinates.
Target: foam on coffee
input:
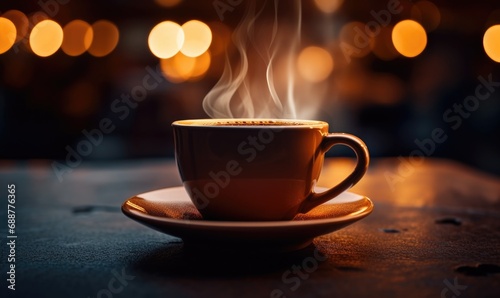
(255, 123)
(249, 122)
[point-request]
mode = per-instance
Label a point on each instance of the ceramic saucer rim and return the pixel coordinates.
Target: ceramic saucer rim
(134, 214)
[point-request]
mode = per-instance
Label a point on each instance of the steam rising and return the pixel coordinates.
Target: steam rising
(262, 82)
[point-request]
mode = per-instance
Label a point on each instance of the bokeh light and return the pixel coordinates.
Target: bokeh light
(20, 20)
(168, 3)
(197, 38)
(166, 39)
(409, 38)
(105, 38)
(491, 42)
(7, 34)
(427, 14)
(328, 6)
(314, 64)
(46, 38)
(33, 19)
(181, 68)
(201, 66)
(78, 36)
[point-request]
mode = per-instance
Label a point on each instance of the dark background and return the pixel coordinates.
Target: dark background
(46, 103)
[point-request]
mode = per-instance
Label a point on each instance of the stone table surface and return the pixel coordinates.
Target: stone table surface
(434, 232)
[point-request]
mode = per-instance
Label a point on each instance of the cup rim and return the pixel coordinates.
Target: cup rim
(209, 123)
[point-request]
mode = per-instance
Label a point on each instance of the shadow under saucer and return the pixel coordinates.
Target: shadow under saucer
(189, 261)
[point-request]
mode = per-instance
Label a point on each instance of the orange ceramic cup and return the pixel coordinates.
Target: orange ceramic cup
(258, 169)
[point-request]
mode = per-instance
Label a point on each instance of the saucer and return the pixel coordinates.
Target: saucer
(171, 211)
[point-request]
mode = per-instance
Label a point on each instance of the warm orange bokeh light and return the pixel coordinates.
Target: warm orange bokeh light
(168, 3)
(20, 20)
(105, 39)
(409, 38)
(7, 34)
(197, 38)
(314, 64)
(78, 37)
(178, 68)
(181, 68)
(491, 42)
(166, 39)
(46, 38)
(328, 6)
(201, 66)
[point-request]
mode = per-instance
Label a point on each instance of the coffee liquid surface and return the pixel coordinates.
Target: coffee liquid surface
(254, 123)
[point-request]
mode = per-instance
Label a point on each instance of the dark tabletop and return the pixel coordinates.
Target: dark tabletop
(435, 232)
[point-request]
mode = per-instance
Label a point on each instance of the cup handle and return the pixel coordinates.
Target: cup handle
(363, 160)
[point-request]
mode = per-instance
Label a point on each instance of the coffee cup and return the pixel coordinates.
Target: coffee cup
(258, 169)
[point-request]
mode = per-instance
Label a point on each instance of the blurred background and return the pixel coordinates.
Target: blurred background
(105, 79)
